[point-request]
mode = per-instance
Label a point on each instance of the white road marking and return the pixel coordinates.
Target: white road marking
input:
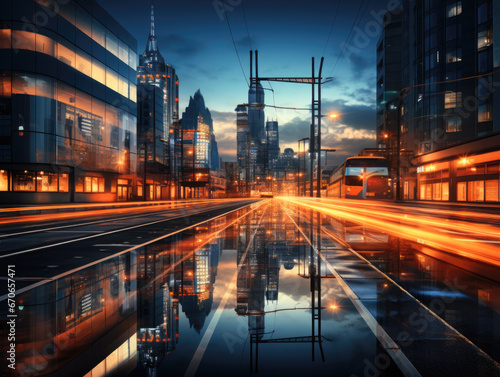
(202, 347)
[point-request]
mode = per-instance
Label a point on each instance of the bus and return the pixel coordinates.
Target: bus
(362, 178)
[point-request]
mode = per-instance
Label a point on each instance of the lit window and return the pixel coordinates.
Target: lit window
(66, 53)
(475, 191)
(454, 124)
(88, 184)
(112, 43)
(84, 63)
(452, 100)
(453, 56)
(491, 190)
(46, 182)
(5, 38)
(24, 181)
(98, 71)
(454, 9)
(79, 184)
(111, 79)
(484, 39)
(63, 182)
(23, 40)
(4, 180)
(484, 113)
(462, 191)
(122, 86)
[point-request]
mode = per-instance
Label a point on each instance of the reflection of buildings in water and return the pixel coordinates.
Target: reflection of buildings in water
(195, 278)
(157, 308)
(86, 317)
(258, 274)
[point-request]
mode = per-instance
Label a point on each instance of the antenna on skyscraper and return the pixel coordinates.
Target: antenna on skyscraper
(256, 66)
(251, 67)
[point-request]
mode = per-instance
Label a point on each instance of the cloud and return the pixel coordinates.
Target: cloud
(353, 131)
(359, 63)
(225, 133)
(176, 44)
(245, 42)
(363, 95)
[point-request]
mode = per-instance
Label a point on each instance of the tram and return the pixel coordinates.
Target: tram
(360, 177)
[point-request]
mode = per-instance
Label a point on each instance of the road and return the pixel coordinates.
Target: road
(285, 286)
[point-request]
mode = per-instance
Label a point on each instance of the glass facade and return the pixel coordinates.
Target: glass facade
(67, 99)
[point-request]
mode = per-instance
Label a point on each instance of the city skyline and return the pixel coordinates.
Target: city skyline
(202, 52)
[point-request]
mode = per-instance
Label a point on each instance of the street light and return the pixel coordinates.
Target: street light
(192, 152)
(303, 140)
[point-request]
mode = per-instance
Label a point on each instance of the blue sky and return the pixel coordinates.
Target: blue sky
(193, 37)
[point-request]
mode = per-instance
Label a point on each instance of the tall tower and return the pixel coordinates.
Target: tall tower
(153, 70)
(256, 116)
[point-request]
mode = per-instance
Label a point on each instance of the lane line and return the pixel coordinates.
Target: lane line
(446, 324)
(392, 349)
(66, 273)
(202, 347)
(95, 222)
(97, 235)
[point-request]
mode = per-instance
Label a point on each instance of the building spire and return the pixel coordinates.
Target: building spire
(152, 52)
(152, 31)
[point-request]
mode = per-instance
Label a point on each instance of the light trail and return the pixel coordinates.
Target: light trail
(405, 227)
(195, 212)
(81, 211)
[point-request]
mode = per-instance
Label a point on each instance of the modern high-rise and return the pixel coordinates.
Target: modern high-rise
(243, 148)
(152, 150)
(199, 147)
(67, 103)
(448, 100)
(273, 143)
(153, 70)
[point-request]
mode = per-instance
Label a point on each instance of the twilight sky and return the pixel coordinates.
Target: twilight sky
(193, 37)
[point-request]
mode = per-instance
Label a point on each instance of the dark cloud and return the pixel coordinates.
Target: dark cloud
(364, 95)
(245, 43)
(176, 44)
(357, 116)
(353, 131)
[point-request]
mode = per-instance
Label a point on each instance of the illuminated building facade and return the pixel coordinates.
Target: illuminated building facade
(243, 149)
(447, 98)
(199, 147)
(153, 70)
(67, 103)
(152, 151)
(273, 143)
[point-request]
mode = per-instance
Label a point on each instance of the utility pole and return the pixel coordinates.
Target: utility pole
(318, 176)
(315, 141)
(312, 142)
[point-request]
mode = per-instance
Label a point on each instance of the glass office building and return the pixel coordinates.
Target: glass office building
(67, 103)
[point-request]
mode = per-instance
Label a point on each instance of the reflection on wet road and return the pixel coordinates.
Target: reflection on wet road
(276, 288)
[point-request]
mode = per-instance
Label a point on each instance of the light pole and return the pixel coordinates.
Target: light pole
(192, 153)
(303, 140)
(326, 150)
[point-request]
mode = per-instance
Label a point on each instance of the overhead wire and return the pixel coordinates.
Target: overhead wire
(352, 37)
(331, 27)
(234, 43)
(246, 24)
(349, 34)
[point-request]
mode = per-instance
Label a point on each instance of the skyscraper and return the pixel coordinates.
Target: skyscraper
(256, 115)
(197, 118)
(153, 70)
(273, 143)
(447, 100)
(243, 148)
